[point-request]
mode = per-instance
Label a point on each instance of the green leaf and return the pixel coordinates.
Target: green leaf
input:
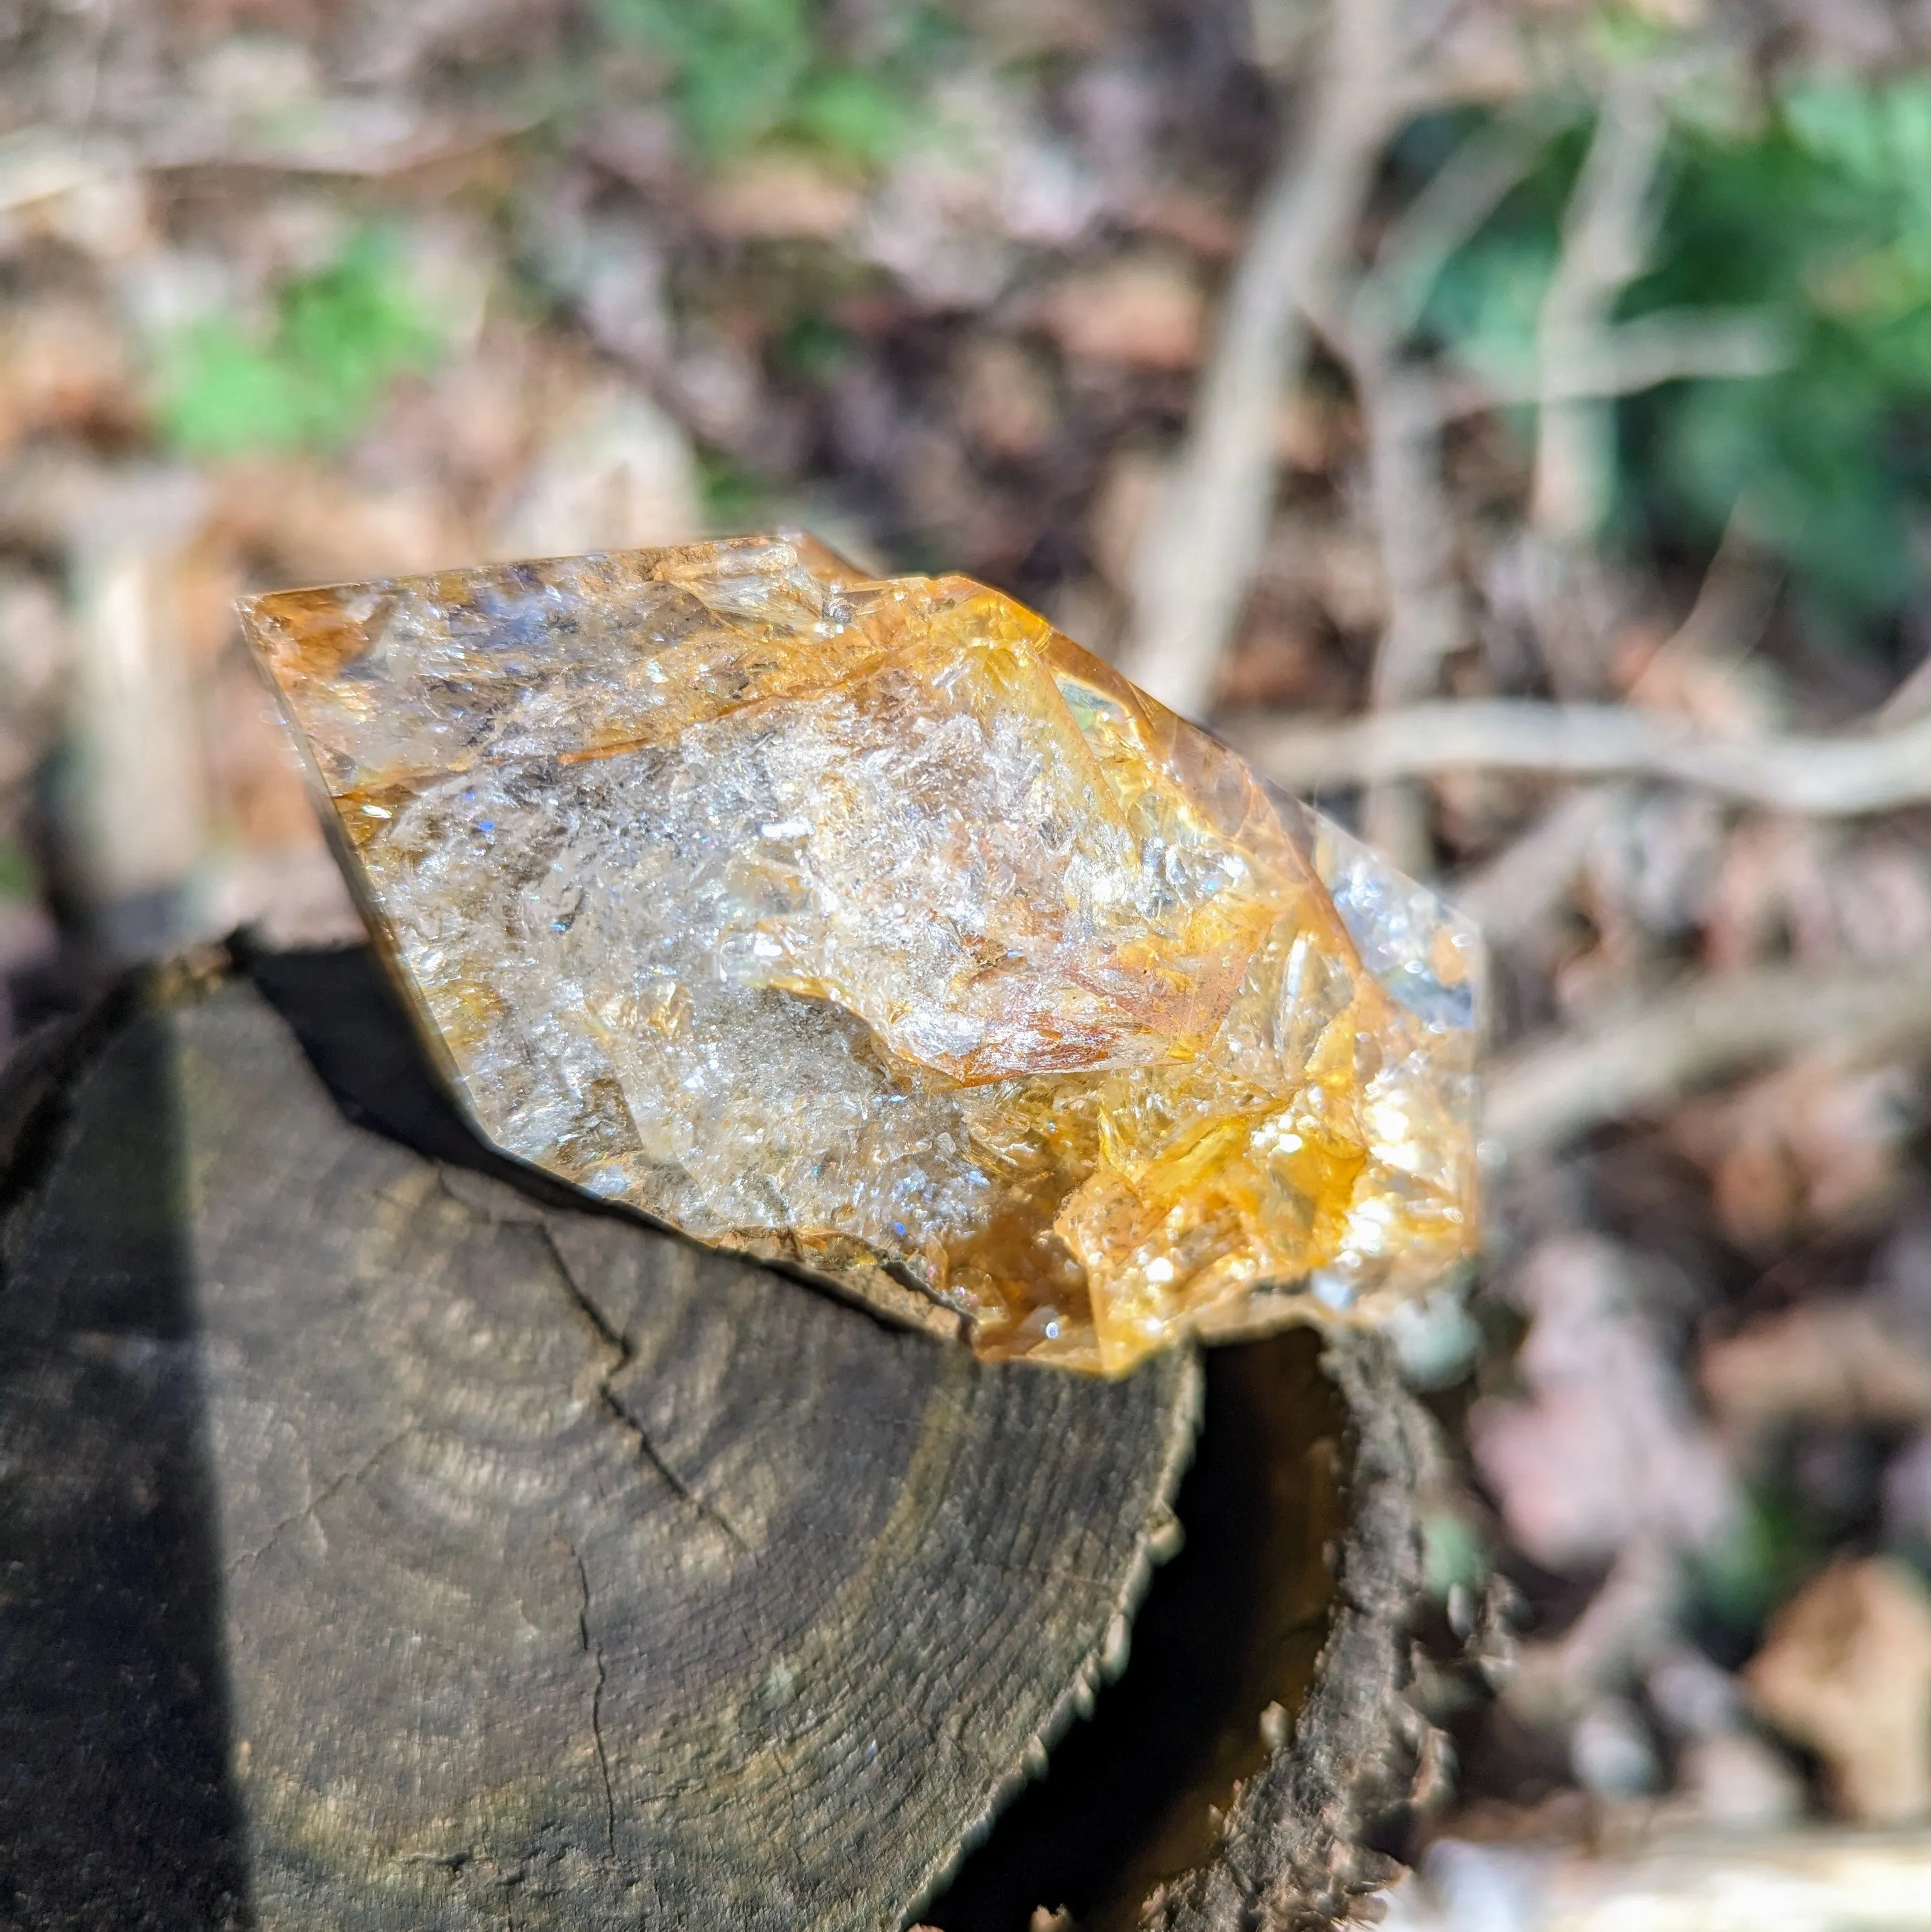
(741, 70)
(852, 113)
(738, 63)
(734, 498)
(814, 348)
(340, 338)
(1818, 218)
(1768, 1548)
(1452, 1554)
(19, 879)
(222, 394)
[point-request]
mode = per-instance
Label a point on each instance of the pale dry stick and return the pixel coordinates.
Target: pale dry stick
(352, 135)
(1548, 1092)
(1848, 775)
(1202, 545)
(1605, 234)
(39, 163)
(1518, 890)
(135, 829)
(1606, 231)
(1674, 345)
(1414, 527)
(1910, 700)
(1414, 524)
(1446, 213)
(1522, 885)
(1733, 605)
(1405, 408)
(1414, 532)
(1699, 1878)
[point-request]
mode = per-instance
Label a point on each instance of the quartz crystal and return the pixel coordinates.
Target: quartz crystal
(876, 928)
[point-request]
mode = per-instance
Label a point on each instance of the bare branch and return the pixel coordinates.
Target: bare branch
(1845, 775)
(1685, 1880)
(1671, 347)
(1549, 1092)
(1413, 518)
(1605, 240)
(1413, 522)
(1415, 526)
(1457, 199)
(1203, 544)
(1522, 885)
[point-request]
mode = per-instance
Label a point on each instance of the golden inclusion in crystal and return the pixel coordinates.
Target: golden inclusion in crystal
(876, 927)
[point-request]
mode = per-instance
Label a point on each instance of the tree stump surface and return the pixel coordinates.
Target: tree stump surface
(388, 1540)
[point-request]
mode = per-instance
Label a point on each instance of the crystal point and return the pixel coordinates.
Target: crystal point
(876, 927)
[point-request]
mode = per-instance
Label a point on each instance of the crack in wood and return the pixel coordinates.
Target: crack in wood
(595, 1652)
(625, 1354)
(330, 1489)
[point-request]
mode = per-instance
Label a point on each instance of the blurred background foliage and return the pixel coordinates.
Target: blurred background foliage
(743, 71)
(1808, 207)
(293, 292)
(1822, 215)
(337, 339)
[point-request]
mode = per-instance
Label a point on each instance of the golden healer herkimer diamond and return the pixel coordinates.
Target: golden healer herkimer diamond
(878, 927)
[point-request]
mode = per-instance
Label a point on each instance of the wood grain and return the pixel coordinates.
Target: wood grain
(389, 1539)
(388, 1547)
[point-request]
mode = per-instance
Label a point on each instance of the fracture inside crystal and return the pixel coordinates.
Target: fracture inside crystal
(875, 925)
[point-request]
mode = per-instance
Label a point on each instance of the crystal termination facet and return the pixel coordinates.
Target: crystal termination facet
(877, 928)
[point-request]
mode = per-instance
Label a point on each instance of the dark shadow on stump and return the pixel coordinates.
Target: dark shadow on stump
(115, 1806)
(349, 1023)
(1233, 1624)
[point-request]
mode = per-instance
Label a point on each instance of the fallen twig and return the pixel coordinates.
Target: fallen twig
(1844, 775)
(1627, 358)
(1427, 622)
(1605, 239)
(1524, 884)
(1686, 1880)
(1202, 544)
(1414, 524)
(1548, 1092)
(355, 136)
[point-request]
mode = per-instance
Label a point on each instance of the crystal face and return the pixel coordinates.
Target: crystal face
(877, 927)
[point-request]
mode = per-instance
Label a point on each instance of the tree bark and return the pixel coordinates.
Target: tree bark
(389, 1539)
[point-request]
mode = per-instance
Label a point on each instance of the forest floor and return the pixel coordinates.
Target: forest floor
(1501, 426)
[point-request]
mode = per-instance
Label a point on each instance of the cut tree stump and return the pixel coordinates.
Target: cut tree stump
(389, 1539)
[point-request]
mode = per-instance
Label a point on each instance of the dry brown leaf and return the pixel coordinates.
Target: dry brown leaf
(1846, 1669)
(1280, 660)
(1144, 310)
(613, 473)
(1129, 494)
(1812, 1145)
(1832, 1365)
(260, 797)
(780, 197)
(1606, 1451)
(1773, 889)
(1005, 399)
(63, 366)
(1333, 561)
(319, 526)
(1200, 223)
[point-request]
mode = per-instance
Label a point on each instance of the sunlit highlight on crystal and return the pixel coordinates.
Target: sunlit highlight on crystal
(877, 926)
